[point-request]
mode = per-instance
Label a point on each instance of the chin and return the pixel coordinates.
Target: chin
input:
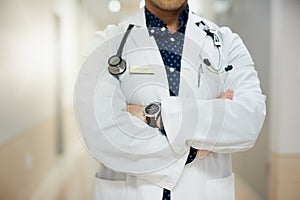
(168, 5)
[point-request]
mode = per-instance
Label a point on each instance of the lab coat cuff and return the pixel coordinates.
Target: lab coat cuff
(169, 176)
(162, 128)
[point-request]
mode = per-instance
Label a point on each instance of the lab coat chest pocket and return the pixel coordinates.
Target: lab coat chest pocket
(213, 82)
(203, 83)
(222, 188)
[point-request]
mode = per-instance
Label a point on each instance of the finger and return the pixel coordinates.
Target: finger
(222, 95)
(202, 153)
(230, 91)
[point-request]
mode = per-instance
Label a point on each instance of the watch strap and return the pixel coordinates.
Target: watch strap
(151, 121)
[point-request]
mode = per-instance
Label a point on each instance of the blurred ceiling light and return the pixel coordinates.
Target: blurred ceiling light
(142, 3)
(222, 6)
(114, 6)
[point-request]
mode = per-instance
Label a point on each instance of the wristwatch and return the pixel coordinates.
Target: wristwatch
(152, 112)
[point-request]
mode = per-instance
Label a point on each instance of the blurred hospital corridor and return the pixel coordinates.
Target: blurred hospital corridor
(42, 43)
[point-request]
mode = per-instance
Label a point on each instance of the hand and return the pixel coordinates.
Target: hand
(202, 153)
(137, 111)
(226, 95)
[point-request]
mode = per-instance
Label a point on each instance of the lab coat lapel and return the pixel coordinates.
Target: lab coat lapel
(142, 50)
(140, 39)
(191, 55)
(197, 42)
(194, 34)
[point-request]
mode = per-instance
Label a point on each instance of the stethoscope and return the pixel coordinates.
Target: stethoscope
(117, 65)
(217, 43)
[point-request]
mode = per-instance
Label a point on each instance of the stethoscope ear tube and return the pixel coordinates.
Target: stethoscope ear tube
(124, 39)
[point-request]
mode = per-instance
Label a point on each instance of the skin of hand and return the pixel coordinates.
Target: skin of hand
(138, 111)
(226, 95)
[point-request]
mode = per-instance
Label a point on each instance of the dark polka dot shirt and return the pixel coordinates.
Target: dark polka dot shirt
(170, 46)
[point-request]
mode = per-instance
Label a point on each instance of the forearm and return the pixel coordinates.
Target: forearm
(113, 136)
(227, 126)
(137, 111)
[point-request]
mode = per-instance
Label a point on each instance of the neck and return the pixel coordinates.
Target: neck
(169, 17)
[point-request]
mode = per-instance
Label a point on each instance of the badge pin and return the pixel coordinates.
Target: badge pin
(141, 70)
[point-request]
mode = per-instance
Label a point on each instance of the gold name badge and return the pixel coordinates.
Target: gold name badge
(141, 70)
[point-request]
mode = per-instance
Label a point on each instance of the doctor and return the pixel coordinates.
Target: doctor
(155, 105)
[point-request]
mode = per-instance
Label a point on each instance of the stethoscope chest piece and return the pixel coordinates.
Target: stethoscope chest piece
(117, 65)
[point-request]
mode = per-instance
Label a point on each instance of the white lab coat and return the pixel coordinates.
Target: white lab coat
(137, 161)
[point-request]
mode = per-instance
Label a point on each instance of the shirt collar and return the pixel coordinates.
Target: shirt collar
(154, 22)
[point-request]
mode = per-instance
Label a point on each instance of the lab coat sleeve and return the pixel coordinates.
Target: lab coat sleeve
(112, 135)
(220, 125)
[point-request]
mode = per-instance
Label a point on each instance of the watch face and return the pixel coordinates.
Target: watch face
(152, 109)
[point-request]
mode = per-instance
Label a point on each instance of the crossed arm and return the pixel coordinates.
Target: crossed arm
(138, 111)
